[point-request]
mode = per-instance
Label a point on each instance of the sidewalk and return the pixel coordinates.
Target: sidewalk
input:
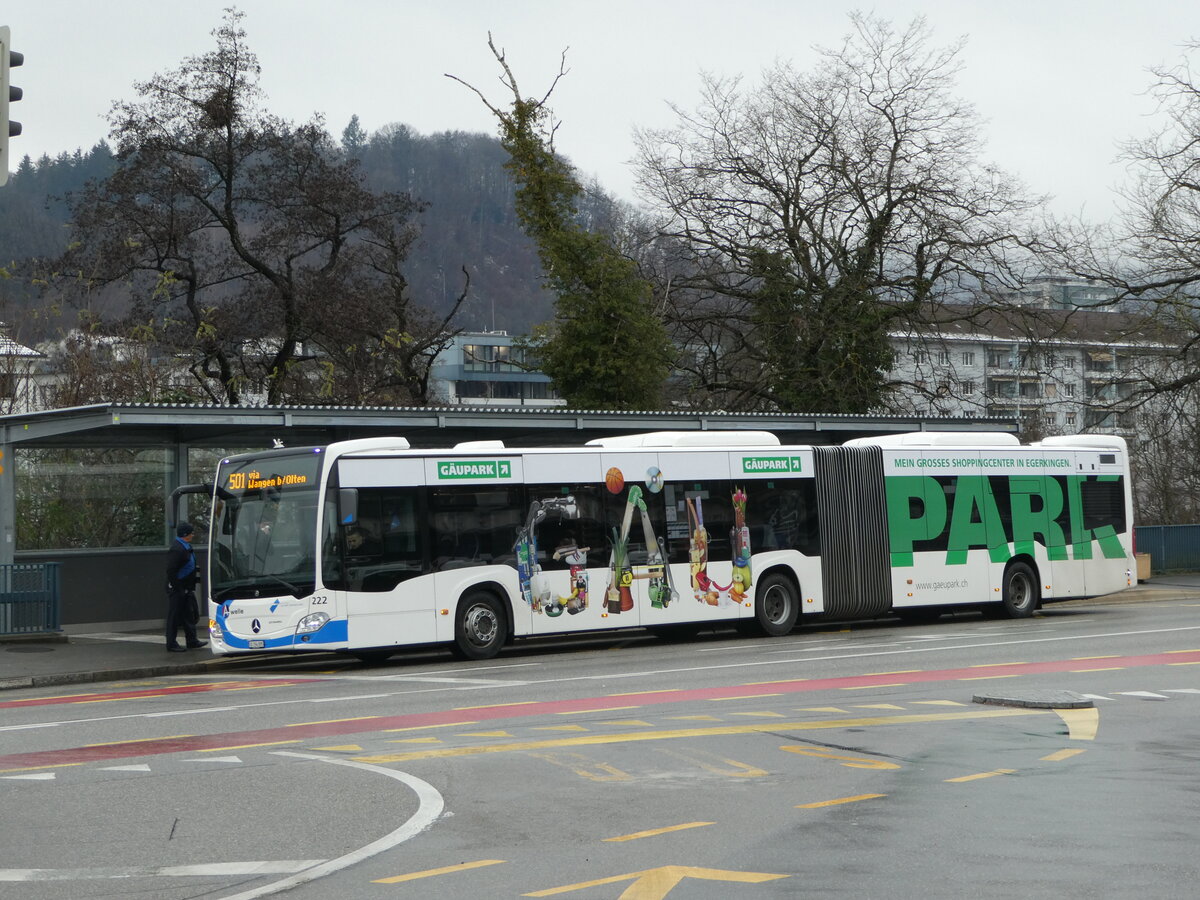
(112, 656)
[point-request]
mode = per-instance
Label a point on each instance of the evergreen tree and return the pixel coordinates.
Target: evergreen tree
(605, 347)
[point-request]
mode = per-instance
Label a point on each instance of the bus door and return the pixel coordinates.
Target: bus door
(634, 551)
(1036, 504)
(377, 560)
(958, 566)
(1101, 535)
(707, 539)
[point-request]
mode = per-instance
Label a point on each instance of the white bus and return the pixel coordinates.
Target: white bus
(367, 546)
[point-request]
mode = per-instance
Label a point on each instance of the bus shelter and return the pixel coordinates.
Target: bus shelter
(87, 488)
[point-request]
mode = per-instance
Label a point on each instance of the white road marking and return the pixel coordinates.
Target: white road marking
(36, 776)
(1097, 697)
(224, 759)
(609, 675)
(1181, 690)
(1145, 695)
(140, 767)
(209, 870)
(430, 808)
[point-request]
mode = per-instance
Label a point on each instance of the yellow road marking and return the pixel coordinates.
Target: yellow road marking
(654, 884)
(871, 687)
(980, 775)
(422, 727)
(839, 801)
(1081, 658)
(444, 870)
(853, 762)
(745, 697)
(584, 767)
(1103, 669)
(696, 718)
(654, 832)
(1082, 724)
(832, 709)
(748, 728)
(1060, 755)
(640, 693)
(632, 723)
(897, 672)
(991, 665)
(329, 721)
(344, 748)
(1181, 651)
(937, 703)
(764, 715)
(718, 765)
(424, 740)
(988, 677)
(36, 768)
(497, 705)
(1192, 663)
(558, 728)
(485, 734)
(139, 741)
(580, 712)
(246, 746)
(783, 681)
(877, 706)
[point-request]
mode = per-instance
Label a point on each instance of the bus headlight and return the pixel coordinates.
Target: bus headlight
(214, 631)
(312, 622)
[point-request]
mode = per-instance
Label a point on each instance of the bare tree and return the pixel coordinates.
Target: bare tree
(813, 214)
(234, 231)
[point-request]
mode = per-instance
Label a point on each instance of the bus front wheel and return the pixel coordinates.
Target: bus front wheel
(1020, 595)
(776, 605)
(480, 627)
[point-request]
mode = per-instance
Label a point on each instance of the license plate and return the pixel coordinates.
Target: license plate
(256, 645)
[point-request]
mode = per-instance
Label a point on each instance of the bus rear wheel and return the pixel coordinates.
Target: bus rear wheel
(480, 628)
(776, 605)
(1020, 594)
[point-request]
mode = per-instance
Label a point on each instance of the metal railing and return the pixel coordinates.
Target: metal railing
(1172, 548)
(29, 598)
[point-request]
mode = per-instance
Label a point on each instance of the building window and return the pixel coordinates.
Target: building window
(998, 359)
(1069, 418)
(968, 358)
(1051, 419)
(920, 356)
(1069, 389)
(8, 385)
(1069, 362)
(967, 388)
(944, 357)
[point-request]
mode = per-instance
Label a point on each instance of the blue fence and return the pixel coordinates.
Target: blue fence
(1172, 548)
(29, 598)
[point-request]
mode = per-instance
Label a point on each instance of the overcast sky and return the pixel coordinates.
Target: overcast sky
(1060, 83)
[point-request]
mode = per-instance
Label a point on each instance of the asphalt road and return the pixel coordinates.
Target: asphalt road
(838, 761)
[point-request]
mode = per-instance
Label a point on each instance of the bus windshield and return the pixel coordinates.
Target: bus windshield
(264, 526)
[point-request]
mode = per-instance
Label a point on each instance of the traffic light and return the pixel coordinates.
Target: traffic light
(9, 59)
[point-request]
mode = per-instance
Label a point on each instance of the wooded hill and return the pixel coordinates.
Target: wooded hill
(468, 221)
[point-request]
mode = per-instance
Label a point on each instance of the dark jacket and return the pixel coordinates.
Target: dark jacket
(181, 567)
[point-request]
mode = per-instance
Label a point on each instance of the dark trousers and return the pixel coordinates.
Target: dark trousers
(179, 612)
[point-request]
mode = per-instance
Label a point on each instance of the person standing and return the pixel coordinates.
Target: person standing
(181, 586)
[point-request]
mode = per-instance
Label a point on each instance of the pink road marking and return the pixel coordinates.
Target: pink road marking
(289, 733)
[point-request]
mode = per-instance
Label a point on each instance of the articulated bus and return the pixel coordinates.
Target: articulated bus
(367, 546)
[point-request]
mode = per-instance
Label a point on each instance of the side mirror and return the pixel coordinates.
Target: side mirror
(347, 506)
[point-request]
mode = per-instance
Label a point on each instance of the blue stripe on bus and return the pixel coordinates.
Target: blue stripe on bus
(334, 632)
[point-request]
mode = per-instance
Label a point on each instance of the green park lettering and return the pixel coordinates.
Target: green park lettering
(474, 468)
(780, 465)
(963, 513)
